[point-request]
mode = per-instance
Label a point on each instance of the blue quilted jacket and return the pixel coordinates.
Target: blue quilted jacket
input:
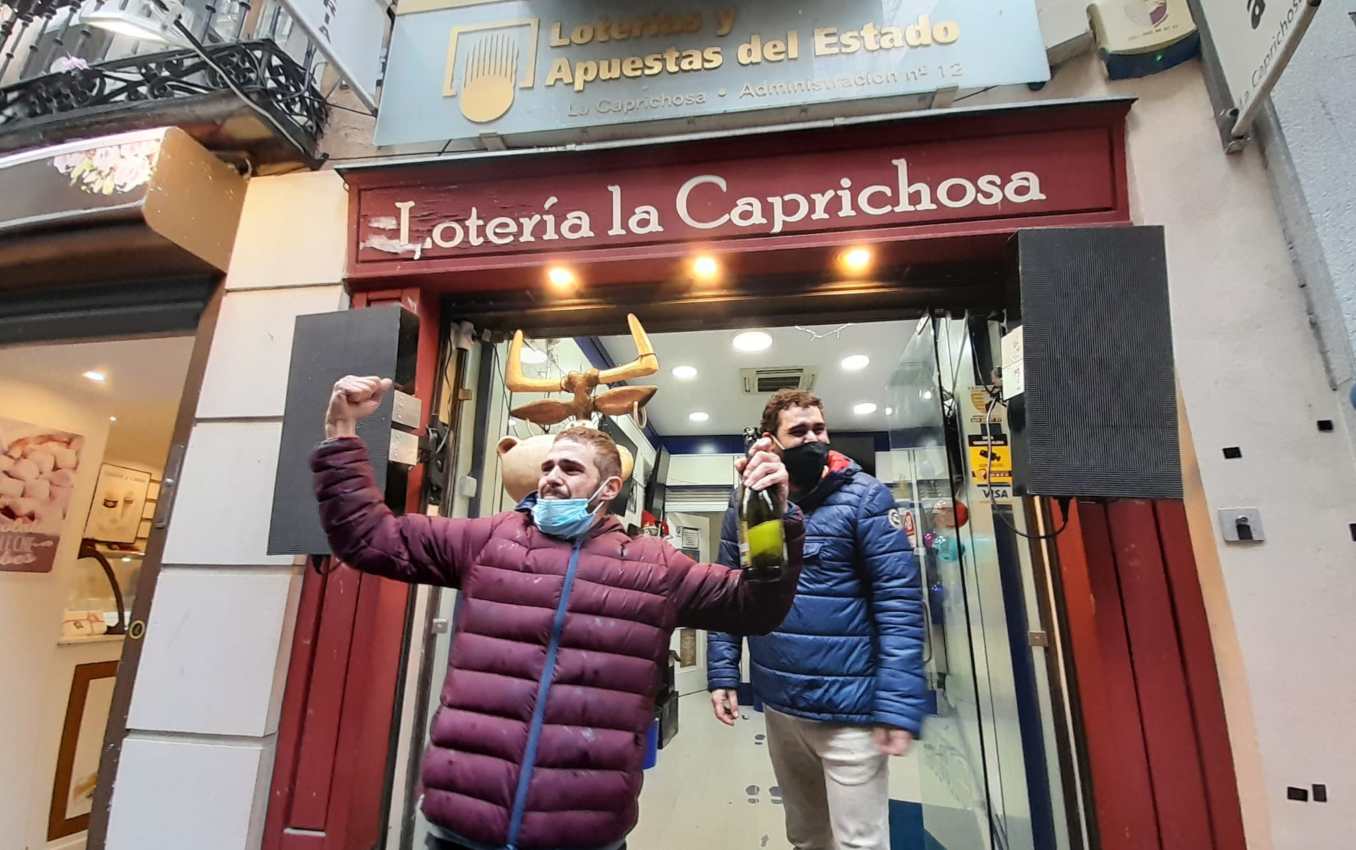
(851, 650)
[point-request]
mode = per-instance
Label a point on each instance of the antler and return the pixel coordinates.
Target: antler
(646, 362)
(624, 400)
(514, 377)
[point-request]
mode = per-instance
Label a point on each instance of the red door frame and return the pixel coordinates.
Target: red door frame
(1167, 767)
(1153, 719)
(334, 746)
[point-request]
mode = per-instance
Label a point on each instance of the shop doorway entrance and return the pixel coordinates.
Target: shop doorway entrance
(907, 400)
(696, 536)
(86, 431)
(930, 260)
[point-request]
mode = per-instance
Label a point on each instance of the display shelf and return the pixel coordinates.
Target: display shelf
(92, 639)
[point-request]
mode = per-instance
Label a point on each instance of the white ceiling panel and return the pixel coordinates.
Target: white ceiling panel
(898, 377)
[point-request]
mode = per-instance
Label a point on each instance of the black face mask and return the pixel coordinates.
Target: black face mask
(805, 464)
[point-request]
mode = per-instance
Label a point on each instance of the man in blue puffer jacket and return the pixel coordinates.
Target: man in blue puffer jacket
(842, 678)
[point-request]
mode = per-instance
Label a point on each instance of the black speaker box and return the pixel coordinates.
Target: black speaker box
(1098, 418)
(380, 341)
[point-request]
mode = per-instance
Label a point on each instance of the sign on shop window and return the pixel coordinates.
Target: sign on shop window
(460, 69)
(38, 469)
(991, 463)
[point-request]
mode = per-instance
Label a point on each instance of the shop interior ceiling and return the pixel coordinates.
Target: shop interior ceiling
(890, 381)
(144, 379)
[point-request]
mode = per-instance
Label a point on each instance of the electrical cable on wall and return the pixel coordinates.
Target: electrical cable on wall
(996, 399)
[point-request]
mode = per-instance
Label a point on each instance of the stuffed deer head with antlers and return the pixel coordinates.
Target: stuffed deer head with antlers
(614, 402)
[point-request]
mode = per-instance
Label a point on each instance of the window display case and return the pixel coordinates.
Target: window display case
(102, 590)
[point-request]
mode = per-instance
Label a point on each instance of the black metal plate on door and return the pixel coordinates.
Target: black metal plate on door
(374, 341)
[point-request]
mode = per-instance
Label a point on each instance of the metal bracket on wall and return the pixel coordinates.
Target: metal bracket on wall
(1221, 103)
(169, 486)
(1241, 525)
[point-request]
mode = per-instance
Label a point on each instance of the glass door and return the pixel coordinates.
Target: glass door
(953, 782)
(989, 755)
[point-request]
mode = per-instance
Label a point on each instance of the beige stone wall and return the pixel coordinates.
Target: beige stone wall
(198, 757)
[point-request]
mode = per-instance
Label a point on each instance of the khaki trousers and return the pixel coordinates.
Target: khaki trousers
(835, 784)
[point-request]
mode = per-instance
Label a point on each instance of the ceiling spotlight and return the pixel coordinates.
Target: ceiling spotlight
(857, 260)
(751, 341)
(698, 416)
(96, 377)
(866, 408)
(927, 395)
(889, 411)
(684, 373)
(856, 362)
(112, 419)
(561, 278)
(705, 268)
(532, 356)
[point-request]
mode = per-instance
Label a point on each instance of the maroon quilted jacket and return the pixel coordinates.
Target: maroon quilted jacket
(553, 671)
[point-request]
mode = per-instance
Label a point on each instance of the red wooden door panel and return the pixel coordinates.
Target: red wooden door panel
(1160, 680)
(320, 731)
(334, 737)
(1148, 690)
(1207, 701)
(1113, 731)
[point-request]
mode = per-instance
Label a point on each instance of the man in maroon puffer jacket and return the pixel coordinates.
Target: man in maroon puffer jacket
(563, 627)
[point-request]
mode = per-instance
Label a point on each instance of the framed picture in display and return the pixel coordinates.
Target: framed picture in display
(38, 470)
(82, 736)
(119, 499)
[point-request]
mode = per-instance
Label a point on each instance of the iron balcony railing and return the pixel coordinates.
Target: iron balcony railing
(60, 75)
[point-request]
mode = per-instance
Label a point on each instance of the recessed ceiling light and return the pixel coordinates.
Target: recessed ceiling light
(698, 416)
(532, 356)
(684, 373)
(866, 408)
(126, 560)
(889, 411)
(705, 268)
(857, 260)
(112, 419)
(752, 341)
(927, 395)
(856, 362)
(95, 376)
(561, 277)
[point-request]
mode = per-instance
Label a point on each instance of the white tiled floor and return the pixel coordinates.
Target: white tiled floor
(713, 787)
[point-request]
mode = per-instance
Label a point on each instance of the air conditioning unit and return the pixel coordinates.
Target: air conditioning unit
(770, 380)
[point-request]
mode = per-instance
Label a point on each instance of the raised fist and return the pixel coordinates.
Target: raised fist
(353, 398)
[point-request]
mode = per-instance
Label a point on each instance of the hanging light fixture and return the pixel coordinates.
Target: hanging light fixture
(146, 20)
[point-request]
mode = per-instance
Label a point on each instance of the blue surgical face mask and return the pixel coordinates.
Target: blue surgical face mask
(568, 519)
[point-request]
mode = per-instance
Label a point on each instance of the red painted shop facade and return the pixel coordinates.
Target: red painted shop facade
(910, 188)
(938, 198)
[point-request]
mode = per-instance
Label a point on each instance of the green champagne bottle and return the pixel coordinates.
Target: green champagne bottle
(762, 540)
